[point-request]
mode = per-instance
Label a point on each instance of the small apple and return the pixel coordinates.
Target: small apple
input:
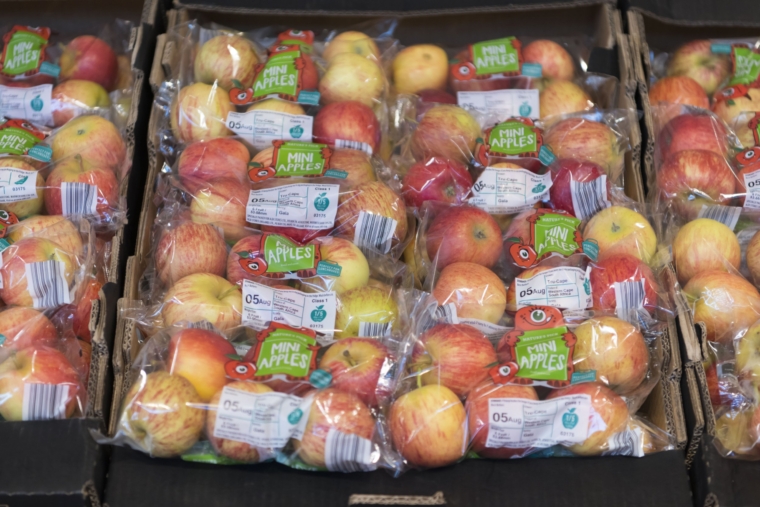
(475, 290)
(555, 61)
(559, 97)
(618, 268)
(356, 164)
(200, 356)
(621, 230)
(420, 67)
(705, 245)
(277, 105)
(375, 198)
(23, 327)
(93, 138)
(692, 132)
(28, 207)
(364, 304)
(200, 113)
(430, 98)
(203, 296)
(583, 139)
(189, 248)
(678, 90)
(74, 97)
(354, 268)
(352, 42)
(15, 288)
(80, 170)
(696, 60)
(564, 172)
(91, 59)
(446, 131)
(352, 77)
(753, 257)
(222, 202)
(520, 227)
(224, 59)
(83, 312)
(348, 120)
(215, 158)
(463, 234)
(436, 179)
(748, 356)
(356, 365)
(58, 229)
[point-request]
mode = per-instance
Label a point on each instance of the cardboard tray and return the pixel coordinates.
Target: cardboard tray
(58, 462)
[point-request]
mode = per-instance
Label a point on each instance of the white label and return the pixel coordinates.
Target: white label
(263, 304)
(373, 329)
(33, 104)
(17, 185)
(353, 145)
(752, 184)
(374, 231)
(565, 287)
(629, 297)
(492, 331)
(201, 324)
(44, 401)
(78, 198)
(265, 420)
(46, 283)
(727, 215)
(260, 128)
(516, 424)
(589, 197)
(626, 443)
(347, 453)
(302, 206)
(508, 191)
(447, 313)
(503, 103)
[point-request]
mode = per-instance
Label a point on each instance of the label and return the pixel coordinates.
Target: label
(263, 304)
(291, 159)
(353, 145)
(260, 128)
(44, 401)
(727, 215)
(502, 103)
(543, 354)
(752, 184)
(327, 268)
(33, 104)
(17, 137)
(564, 287)
(374, 232)
(626, 443)
(46, 283)
(746, 65)
(551, 232)
(372, 329)
(345, 452)
(279, 255)
(24, 50)
(507, 191)
(282, 350)
(265, 420)
(589, 197)
(519, 424)
(629, 298)
(17, 185)
(302, 206)
(496, 56)
(515, 138)
(280, 76)
(493, 332)
(78, 199)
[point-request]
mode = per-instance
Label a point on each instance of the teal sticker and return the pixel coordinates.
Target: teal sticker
(545, 156)
(319, 314)
(37, 103)
(591, 249)
(50, 69)
(41, 152)
(309, 97)
(2, 339)
(587, 286)
(525, 109)
(336, 173)
(326, 268)
(320, 379)
(570, 419)
(538, 188)
(4, 243)
(579, 377)
(296, 132)
(531, 70)
(321, 202)
(295, 415)
(719, 48)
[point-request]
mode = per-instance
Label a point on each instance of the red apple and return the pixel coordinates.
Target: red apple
(23, 327)
(348, 120)
(202, 296)
(83, 312)
(224, 59)
(562, 97)
(221, 202)
(618, 268)
(436, 179)
(583, 139)
(692, 132)
(189, 248)
(520, 227)
(90, 59)
(457, 356)
(475, 290)
(463, 234)
(566, 170)
(375, 198)
(93, 138)
(200, 356)
(420, 67)
(352, 77)
(216, 158)
(15, 289)
(705, 245)
(356, 164)
(80, 170)
(356, 365)
(199, 113)
(555, 61)
(74, 97)
(447, 131)
(696, 60)
(679, 90)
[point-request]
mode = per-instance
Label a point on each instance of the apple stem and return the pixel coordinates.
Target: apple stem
(351, 361)
(419, 381)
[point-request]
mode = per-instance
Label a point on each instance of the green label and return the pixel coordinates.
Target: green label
(512, 138)
(23, 53)
(284, 256)
(326, 268)
(746, 66)
(310, 97)
(495, 57)
(203, 452)
(532, 70)
(299, 159)
(16, 141)
(583, 376)
(543, 354)
(279, 76)
(285, 351)
(556, 233)
(336, 173)
(720, 48)
(545, 156)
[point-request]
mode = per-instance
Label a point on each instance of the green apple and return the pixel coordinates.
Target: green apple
(364, 304)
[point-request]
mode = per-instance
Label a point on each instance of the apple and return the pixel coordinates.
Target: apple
(523, 275)
(555, 61)
(352, 77)
(354, 268)
(93, 138)
(621, 230)
(748, 356)
(565, 171)
(691, 179)
(200, 356)
(37, 365)
(295, 234)
(349, 120)
(203, 296)
(617, 268)
(457, 356)
(162, 414)
(732, 111)
(224, 59)
(420, 67)
(562, 97)
(429, 98)
(520, 227)
(753, 257)
(72, 98)
(277, 105)
(357, 165)
(463, 234)
(26, 208)
(332, 409)
(735, 431)
(726, 303)
(412, 257)
(678, 90)
(91, 59)
(692, 132)
(608, 415)
(23, 327)
(356, 365)
(446, 131)
(615, 350)
(436, 179)
(588, 140)
(233, 449)
(475, 290)
(429, 427)
(15, 288)
(375, 198)
(200, 113)
(705, 245)
(57, 229)
(80, 170)
(696, 60)
(364, 304)
(83, 312)
(352, 42)
(189, 248)
(221, 202)
(124, 74)
(479, 417)
(215, 158)
(713, 384)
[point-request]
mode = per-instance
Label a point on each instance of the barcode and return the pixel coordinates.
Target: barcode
(447, 313)
(46, 282)
(374, 231)
(78, 198)
(44, 401)
(353, 145)
(348, 453)
(625, 443)
(589, 197)
(727, 215)
(201, 324)
(370, 329)
(629, 297)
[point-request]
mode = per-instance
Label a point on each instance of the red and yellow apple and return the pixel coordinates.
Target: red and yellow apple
(617, 268)
(420, 67)
(559, 97)
(364, 304)
(91, 59)
(696, 60)
(705, 245)
(356, 164)
(463, 234)
(16, 258)
(583, 139)
(354, 268)
(692, 132)
(74, 97)
(215, 158)
(564, 172)
(200, 113)
(446, 131)
(200, 356)
(355, 365)
(277, 105)
(189, 248)
(350, 76)
(375, 198)
(748, 357)
(57, 229)
(24, 327)
(347, 120)
(753, 257)
(93, 138)
(203, 296)
(352, 42)
(90, 291)
(555, 61)
(436, 179)
(678, 90)
(475, 290)
(224, 59)
(621, 230)
(77, 169)
(26, 208)
(221, 202)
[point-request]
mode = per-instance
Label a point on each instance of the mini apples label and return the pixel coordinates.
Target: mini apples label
(551, 232)
(303, 39)
(500, 56)
(280, 76)
(24, 50)
(18, 137)
(280, 258)
(291, 159)
(746, 65)
(283, 350)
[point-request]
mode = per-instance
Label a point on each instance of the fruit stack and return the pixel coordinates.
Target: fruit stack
(276, 319)
(60, 208)
(706, 113)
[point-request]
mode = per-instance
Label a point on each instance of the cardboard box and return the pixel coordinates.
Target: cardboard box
(57, 463)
